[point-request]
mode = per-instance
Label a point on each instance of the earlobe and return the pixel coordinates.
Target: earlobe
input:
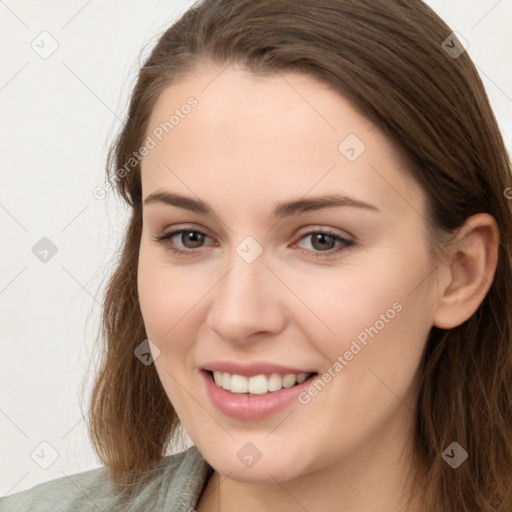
(473, 262)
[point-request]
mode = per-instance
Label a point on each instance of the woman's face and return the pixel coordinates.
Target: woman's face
(284, 271)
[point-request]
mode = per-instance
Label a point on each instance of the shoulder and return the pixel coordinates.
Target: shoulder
(59, 494)
(178, 480)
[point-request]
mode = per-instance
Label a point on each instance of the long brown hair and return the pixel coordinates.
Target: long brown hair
(389, 58)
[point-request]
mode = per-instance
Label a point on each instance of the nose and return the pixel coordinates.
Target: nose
(247, 303)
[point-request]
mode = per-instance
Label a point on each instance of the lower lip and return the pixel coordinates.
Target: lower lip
(242, 406)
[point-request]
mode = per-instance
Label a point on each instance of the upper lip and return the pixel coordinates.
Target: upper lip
(254, 368)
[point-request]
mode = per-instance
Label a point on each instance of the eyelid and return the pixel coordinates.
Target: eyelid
(303, 232)
(177, 230)
(315, 228)
(185, 227)
(164, 238)
(344, 242)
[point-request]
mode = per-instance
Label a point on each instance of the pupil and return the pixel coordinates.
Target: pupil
(323, 238)
(194, 237)
(320, 240)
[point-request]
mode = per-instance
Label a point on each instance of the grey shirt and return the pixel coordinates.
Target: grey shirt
(177, 485)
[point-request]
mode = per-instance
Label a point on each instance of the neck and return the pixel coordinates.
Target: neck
(373, 478)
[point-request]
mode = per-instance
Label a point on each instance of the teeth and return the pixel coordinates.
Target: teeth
(301, 378)
(217, 376)
(226, 381)
(239, 384)
(275, 382)
(258, 384)
(289, 380)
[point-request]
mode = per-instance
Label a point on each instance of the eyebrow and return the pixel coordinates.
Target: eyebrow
(284, 209)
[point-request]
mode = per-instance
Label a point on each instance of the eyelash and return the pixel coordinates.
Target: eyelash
(164, 238)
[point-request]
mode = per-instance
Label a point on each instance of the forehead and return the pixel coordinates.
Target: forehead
(255, 137)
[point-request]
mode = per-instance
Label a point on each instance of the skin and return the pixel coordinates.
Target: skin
(249, 143)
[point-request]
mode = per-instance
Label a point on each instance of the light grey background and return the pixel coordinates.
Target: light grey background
(58, 115)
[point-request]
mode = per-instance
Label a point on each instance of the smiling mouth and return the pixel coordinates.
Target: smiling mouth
(257, 385)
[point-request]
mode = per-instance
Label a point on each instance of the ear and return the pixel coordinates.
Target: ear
(472, 263)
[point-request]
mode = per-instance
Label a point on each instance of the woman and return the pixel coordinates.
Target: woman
(316, 278)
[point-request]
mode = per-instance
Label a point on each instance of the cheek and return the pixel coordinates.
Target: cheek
(382, 335)
(346, 302)
(170, 301)
(336, 306)
(384, 306)
(164, 301)
(152, 302)
(158, 298)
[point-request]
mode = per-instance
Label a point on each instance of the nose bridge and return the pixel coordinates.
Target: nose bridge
(244, 282)
(243, 303)
(247, 271)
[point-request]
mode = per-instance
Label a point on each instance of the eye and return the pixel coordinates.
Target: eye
(325, 242)
(189, 238)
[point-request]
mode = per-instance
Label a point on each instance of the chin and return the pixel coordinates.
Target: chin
(269, 468)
